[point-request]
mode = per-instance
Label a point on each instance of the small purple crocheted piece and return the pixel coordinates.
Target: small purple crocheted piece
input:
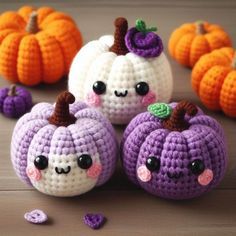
(174, 153)
(142, 42)
(36, 216)
(94, 221)
(15, 101)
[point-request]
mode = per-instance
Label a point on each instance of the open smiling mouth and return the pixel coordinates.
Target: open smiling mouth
(174, 175)
(121, 94)
(62, 171)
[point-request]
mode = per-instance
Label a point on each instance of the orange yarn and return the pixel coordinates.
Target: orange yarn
(214, 80)
(192, 40)
(44, 56)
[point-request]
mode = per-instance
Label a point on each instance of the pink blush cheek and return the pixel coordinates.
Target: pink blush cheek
(33, 173)
(93, 99)
(144, 174)
(206, 177)
(94, 171)
(148, 99)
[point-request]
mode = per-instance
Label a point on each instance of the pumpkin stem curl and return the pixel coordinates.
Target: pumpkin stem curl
(119, 46)
(32, 25)
(12, 90)
(61, 115)
(176, 121)
(200, 29)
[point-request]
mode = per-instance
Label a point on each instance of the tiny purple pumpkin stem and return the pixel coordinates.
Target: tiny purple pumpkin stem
(61, 115)
(119, 46)
(176, 121)
(12, 90)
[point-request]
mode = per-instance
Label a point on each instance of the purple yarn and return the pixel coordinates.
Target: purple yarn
(15, 106)
(146, 45)
(94, 221)
(145, 136)
(91, 133)
(36, 216)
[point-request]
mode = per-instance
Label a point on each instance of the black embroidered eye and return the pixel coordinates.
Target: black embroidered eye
(142, 88)
(84, 161)
(41, 162)
(99, 87)
(197, 166)
(153, 164)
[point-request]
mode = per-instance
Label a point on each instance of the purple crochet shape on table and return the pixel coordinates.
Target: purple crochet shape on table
(94, 221)
(36, 216)
(204, 140)
(146, 45)
(15, 106)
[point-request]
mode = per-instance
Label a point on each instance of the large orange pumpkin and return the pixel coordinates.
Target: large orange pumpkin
(214, 80)
(37, 45)
(192, 40)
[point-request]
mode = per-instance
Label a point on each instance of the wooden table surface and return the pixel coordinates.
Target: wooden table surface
(129, 210)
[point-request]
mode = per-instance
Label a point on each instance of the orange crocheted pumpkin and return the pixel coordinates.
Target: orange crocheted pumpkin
(192, 40)
(214, 80)
(37, 45)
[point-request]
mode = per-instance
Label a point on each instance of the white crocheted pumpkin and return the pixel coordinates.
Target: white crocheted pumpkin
(122, 75)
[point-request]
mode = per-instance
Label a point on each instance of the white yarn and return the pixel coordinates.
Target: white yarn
(94, 62)
(74, 183)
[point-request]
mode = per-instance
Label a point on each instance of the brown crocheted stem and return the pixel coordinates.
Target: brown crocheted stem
(200, 29)
(12, 90)
(32, 25)
(176, 121)
(234, 61)
(119, 46)
(61, 115)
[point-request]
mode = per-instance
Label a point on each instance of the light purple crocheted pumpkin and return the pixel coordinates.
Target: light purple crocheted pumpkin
(174, 151)
(15, 101)
(64, 150)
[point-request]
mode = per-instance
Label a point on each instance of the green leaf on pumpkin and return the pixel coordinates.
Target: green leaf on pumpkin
(141, 26)
(161, 110)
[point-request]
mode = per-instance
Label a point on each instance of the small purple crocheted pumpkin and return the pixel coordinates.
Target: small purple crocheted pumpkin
(15, 101)
(64, 150)
(174, 151)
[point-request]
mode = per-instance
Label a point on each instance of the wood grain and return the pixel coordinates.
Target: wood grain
(130, 211)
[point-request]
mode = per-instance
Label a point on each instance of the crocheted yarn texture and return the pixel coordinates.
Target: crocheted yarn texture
(64, 150)
(15, 101)
(122, 75)
(178, 155)
(37, 45)
(214, 80)
(192, 40)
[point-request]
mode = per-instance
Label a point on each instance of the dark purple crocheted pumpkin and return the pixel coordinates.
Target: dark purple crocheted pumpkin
(15, 101)
(174, 151)
(64, 150)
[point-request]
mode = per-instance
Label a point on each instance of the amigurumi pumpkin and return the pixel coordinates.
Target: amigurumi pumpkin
(122, 75)
(15, 101)
(192, 40)
(214, 80)
(64, 150)
(174, 151)
(37, 45)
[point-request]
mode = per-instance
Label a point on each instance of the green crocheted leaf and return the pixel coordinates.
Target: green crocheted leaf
(161, 110)
(141, 26)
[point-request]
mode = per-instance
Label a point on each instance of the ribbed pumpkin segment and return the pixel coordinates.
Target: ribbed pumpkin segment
(8, 56)
(29, 63)
(52, 58)
(68, 42)
(43, 12)
(211, 85)
(12, 20)
(5, 33)
(228, 94)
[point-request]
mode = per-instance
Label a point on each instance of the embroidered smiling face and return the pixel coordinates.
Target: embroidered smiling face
(174, 155)
(64, 150)
(122, 75)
